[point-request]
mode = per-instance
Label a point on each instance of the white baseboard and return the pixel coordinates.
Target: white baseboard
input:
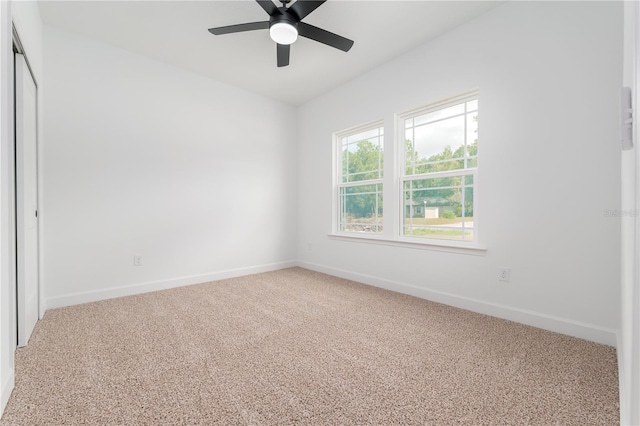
(7, 387)
(536, 319)
(146, 287)
(548, 322)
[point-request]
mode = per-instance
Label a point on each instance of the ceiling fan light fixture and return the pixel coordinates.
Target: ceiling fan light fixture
(283, 33)
(284, 23)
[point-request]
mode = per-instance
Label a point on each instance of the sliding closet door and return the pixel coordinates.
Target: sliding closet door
(26, 200)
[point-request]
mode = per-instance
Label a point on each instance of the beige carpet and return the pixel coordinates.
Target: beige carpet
(299, 347)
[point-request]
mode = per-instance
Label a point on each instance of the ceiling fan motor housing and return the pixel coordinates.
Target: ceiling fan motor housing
(284, 18)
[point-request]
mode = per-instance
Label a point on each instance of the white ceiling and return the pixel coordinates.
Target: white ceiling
(175, 32)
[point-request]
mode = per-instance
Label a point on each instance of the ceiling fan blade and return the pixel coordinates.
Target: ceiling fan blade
(325, 37)
(283, 54)
(269, 7)
(240, 28)
(302, 8)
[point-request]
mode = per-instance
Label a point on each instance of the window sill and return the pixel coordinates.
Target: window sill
(445, 246)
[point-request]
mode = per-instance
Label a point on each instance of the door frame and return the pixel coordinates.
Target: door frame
(628, 347)
(19, 48)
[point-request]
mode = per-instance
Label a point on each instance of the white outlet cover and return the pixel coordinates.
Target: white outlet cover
(504, 274)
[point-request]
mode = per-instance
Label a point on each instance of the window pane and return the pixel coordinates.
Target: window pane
(362, 156)
(442, 140)
(363, 136)
(440, 166)
(441, 183)
(468, 180)
(472, 131)
(345, 164)
(440, 114)
(408, 151)
(439, 208)
(361, 208)
(468, 202)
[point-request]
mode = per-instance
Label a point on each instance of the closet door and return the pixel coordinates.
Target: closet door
(26, 200)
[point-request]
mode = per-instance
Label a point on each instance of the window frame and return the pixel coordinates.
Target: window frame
(338, 183)
(402, 177)
(392, 186)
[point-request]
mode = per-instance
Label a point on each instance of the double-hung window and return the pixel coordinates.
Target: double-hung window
(360, 172)
(431, 193)
(440, 170)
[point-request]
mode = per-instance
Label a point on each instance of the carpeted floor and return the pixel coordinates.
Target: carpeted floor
(299, 347)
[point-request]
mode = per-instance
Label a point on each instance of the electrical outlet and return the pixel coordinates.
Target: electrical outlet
(137, 260)
(504, 274)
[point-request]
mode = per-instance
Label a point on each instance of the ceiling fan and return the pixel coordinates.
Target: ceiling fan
(285, 25)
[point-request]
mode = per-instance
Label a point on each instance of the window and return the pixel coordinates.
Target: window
(440, 167)
(430, 186)
(360, 174)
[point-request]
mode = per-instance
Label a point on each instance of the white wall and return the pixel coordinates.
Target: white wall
(145, 159)
(26, 19)
(549, 75)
